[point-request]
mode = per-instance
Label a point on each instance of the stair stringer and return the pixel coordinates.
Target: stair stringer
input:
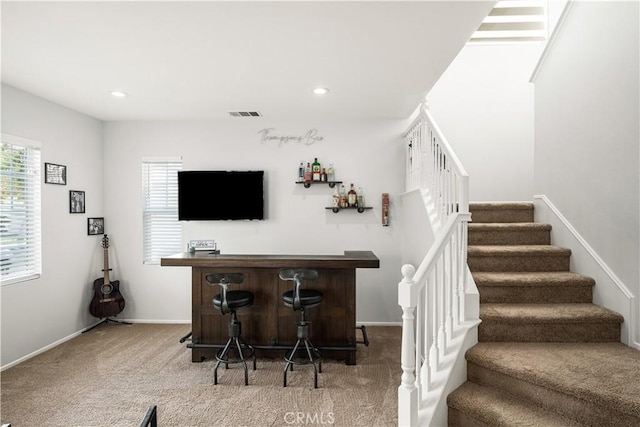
(609, 291)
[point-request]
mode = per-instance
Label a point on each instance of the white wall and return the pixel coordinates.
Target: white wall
(367, 153)
(587, 159)
(40, 312)
(484, 105)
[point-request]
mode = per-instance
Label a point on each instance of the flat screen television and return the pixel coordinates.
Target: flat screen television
(220, 195)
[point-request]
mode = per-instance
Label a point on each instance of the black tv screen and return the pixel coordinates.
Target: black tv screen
(220, 195)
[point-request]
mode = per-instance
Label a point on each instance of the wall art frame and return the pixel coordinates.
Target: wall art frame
(76, 201)
(95, 226)
(55, 174)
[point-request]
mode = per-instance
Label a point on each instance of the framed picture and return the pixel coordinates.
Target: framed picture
(95, 226)
(76, 201)
(55, 174)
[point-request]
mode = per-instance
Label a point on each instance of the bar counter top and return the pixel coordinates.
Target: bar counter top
(350, 259)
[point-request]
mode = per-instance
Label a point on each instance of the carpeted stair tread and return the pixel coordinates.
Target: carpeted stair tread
(548, 313)
(517, 250)
(533, 287)
(501, 212)
(602, 374)
(518, 258)
(517, 233)
(531, 278)
(474, 404)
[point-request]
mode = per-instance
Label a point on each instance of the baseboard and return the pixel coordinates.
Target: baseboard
(43, 349)
(157, 321)
(618, 297)
(380, 323)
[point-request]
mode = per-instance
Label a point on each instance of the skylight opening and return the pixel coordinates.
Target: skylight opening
(514, 21)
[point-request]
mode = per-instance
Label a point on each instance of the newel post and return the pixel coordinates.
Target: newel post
(407, 392)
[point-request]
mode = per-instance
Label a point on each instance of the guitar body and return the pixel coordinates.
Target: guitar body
(107, 300)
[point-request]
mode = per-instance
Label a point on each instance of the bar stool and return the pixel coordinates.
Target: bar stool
(228, 302)
(299, 300)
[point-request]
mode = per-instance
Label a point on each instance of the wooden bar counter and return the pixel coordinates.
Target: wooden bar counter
(268, 324)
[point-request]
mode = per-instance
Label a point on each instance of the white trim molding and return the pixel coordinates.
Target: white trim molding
(610, 290)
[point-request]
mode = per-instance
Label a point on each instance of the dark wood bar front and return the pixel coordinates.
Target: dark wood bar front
(268, 324)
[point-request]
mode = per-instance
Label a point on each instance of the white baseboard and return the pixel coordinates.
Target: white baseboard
(157, 321)
(43, 349)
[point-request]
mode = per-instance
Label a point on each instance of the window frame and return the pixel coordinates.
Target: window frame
(151, 255)
(33, 236)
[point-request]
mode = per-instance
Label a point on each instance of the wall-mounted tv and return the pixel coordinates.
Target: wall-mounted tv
(220, 195)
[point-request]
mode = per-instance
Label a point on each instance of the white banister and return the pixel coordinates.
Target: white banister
(432, 296)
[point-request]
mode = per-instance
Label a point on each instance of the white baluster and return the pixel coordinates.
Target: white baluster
(407, 392)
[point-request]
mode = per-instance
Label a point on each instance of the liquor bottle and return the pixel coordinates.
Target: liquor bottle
(360, 198)
(343, 197)
(336, 198)
(307, 173)
(352, 197)
(301, 172)
(331, 174)
(323, 175)
(315, 169)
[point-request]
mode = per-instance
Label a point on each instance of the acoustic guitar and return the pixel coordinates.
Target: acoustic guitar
(107, 300)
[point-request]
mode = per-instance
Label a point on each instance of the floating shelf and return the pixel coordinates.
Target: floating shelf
(307, 184)
(360, 209)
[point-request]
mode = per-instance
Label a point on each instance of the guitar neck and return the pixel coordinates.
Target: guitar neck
(106, 265)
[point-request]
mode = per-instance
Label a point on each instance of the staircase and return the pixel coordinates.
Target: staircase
(547, 356)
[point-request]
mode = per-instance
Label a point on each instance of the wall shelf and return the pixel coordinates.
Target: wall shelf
(360, 209)
(307, 184)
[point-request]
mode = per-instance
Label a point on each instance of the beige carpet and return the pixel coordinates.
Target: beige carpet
(112, 374)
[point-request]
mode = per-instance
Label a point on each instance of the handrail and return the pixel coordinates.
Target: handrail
(432, 297)
(551, 41)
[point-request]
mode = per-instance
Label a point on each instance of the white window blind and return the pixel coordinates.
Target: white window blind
(20, 243)
(162, 231)
(514, 21)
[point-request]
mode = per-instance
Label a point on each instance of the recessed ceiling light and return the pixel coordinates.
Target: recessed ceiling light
(118, 93)
(321, 91)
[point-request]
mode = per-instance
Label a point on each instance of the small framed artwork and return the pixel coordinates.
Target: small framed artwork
(76, 201)
(55, 174)
(95, 226)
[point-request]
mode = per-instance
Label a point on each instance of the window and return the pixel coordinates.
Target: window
(514, 21)
(20, 244)
(162, 231)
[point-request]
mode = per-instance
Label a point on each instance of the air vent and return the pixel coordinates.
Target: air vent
(245, 114)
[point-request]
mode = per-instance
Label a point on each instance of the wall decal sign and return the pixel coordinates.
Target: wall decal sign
(311, 137)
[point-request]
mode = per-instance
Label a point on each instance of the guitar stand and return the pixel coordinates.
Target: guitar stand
(107, 320)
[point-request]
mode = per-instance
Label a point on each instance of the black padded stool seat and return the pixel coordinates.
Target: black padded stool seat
(308, 298)
(235, 299)
(228, 302)
(301, 299)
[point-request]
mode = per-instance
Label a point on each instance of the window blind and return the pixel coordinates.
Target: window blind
(20, 242)
(514, 21)
(162, 231)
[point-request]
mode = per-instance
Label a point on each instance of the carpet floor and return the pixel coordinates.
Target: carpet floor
(111, 375)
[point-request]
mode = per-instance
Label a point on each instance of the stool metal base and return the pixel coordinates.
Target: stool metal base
(313, 356)
(237, 344)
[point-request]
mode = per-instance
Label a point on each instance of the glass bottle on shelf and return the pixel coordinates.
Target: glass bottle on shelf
(352, 197)
(343, 197)
(301, 172)
(360, 198)
(315, 170)
(336, 198)
(323, 175)
(331, 174)
(307, 173)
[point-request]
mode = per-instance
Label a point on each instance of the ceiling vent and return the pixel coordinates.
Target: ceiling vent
(245, 114)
